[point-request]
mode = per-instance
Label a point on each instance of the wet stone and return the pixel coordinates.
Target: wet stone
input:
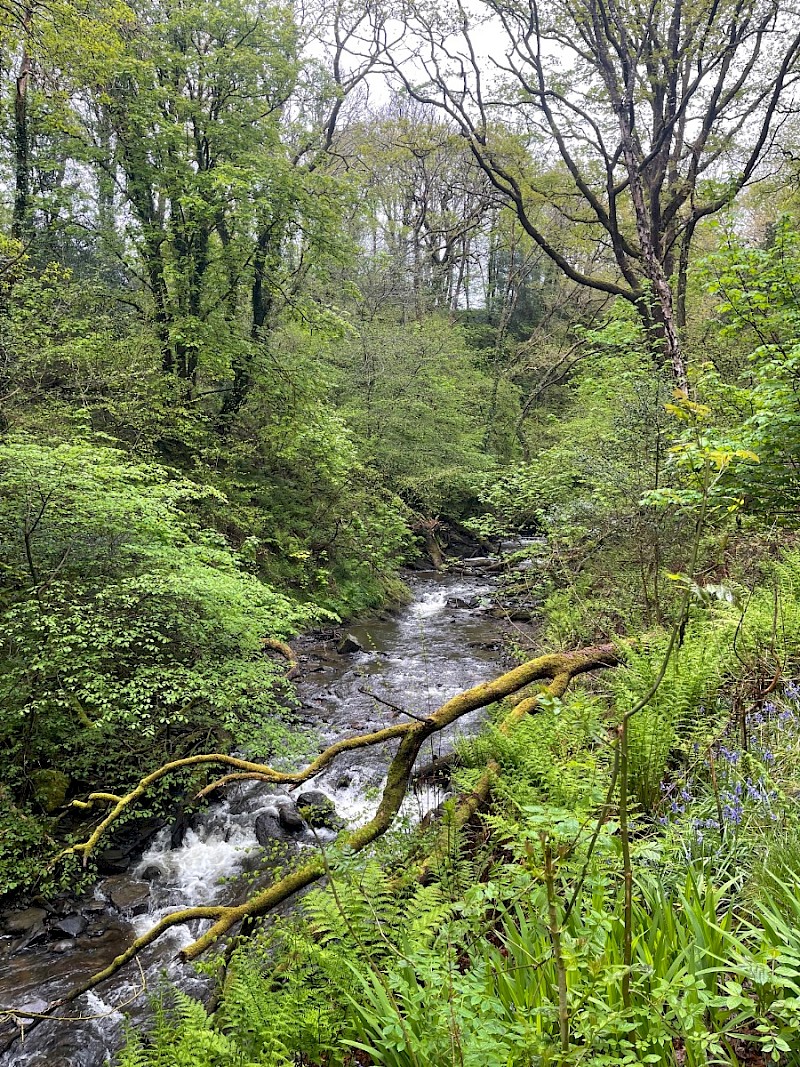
(127, 894)
(72, 925)
(151, 873)
(113, 861)
(348, 645)
(94, 905)
(35, 1006)
(268, 829)
(290, 820)
(21, 922)
(318, 810)
(62, 946)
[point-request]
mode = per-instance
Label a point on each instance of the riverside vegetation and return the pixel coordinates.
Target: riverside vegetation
(263, 342)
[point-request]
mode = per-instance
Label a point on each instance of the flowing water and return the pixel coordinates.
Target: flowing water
(413, 660)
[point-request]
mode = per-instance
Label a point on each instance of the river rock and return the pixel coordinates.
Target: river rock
(113, 861)
(151, 873)
(268, 829)
(290, 819)
(36, 1006)
(127, 894)
(72, 925)
(62, 946)
(21, 922)
(348, 645)
(50, 788)
(465, 603)
(177, 832)
(512, 612)
(93, 906)
(318, 810)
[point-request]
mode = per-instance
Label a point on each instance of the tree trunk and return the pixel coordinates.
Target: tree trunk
(21, 221)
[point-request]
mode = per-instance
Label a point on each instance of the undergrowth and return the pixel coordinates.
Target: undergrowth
(517, 952)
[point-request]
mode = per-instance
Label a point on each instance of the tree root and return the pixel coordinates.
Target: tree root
(560, 669)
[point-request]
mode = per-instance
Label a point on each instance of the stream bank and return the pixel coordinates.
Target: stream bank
(414, 659)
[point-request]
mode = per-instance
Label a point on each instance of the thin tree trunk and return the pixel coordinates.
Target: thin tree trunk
(21, 221)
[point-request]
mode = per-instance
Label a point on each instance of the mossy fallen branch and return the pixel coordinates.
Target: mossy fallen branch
(559, 669)
(287, 652)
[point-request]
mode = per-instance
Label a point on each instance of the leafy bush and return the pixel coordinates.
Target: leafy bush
(124, 619)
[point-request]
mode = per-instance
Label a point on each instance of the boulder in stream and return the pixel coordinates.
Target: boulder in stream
(72, 925)
(464, 603)
(126, 894)
(35, 1006)
(275, 841)
(22, 922)
(113, 861)
(290, 819)
(318, 810)
(268, 829)
(348, 645)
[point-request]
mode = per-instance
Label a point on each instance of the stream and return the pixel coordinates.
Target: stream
(415, 658)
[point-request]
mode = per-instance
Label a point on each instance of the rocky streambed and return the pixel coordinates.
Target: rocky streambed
(447, 638)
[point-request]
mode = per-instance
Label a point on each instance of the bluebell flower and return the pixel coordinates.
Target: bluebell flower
(729, 755)
(767, 756)
(706, 824)
(686, 795)
(732, 813)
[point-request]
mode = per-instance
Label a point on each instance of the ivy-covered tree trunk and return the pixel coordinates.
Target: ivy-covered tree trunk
(21, 221)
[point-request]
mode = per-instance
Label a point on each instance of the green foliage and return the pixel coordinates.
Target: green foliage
(415, 399)
(124, 618)
(558, 755)
(464, 971)
(185, 1037)
(118, 605)
(749, 425)
(693, 674)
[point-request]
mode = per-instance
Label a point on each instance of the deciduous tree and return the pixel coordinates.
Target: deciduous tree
(658, 113)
